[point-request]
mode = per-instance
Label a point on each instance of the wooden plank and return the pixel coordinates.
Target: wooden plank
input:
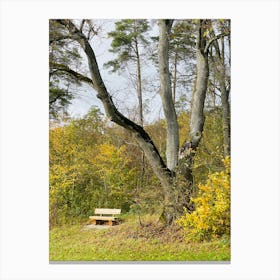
(103, 218)
(107, 211)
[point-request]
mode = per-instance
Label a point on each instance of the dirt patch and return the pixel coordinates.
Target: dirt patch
(88, 227)
(148, 231)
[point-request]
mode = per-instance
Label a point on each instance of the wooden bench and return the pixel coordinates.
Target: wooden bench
(105, 214)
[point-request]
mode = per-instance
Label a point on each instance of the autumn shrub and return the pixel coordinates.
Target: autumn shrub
(211, 219)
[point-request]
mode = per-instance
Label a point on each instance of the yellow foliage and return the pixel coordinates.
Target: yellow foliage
(211, 219)
(112, 163)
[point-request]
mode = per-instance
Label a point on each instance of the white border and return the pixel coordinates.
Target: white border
(24, 138)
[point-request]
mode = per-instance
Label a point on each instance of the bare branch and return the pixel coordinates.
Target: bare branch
(78, 76)
(210, 42)
(82, 24)
(60, 38)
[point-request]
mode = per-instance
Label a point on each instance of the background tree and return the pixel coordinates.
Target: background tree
(65, 67)
(181, 41)
(182, 54)
(129, 40)
(220, 64)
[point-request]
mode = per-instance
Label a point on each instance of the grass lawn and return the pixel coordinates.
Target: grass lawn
(130, 242)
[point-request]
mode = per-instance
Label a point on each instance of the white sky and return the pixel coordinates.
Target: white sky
(118, 85)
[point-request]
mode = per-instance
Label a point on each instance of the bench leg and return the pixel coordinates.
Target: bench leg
(93, 222)
(110, 223)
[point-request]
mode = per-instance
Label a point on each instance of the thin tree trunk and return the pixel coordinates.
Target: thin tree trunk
(225, 103)
(226, 120)
(139, 83)
(140, 110)
(219, 68)
(172, 138)
(175, 77)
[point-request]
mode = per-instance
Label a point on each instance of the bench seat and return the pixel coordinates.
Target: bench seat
(102, 218)
(105, 214)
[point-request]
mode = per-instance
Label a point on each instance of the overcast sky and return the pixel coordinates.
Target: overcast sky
(118, 84)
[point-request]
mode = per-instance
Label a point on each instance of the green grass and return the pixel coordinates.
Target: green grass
(129, 242)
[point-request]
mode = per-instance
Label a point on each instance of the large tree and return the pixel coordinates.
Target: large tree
(176, 174)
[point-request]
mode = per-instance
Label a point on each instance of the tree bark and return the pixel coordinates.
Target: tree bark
(139, 84)
(175, 77)
(140, 110)
(226, 121)
(202, 74)
(197, 118)
(172, 138)
(225, 103)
